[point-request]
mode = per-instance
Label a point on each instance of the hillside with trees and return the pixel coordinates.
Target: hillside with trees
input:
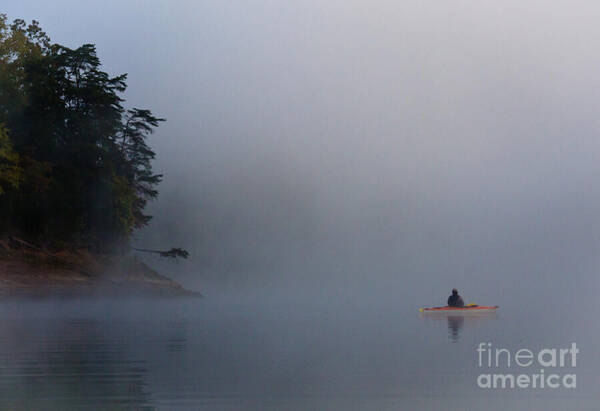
(75, 166)
(75, 169)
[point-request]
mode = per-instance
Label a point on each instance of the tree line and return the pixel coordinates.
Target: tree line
(75, 164)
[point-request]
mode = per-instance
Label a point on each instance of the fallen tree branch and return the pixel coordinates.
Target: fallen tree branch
(172, 253)
(22, 243)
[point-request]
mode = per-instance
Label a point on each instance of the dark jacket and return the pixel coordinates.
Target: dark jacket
(455, 300)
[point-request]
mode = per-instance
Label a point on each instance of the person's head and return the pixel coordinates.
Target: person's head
(454, 291)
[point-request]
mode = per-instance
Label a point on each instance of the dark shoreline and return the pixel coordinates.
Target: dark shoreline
(95, 292)
(70, 274)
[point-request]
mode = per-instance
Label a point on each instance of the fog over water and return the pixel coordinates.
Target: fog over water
(365, 144)
(331, 167)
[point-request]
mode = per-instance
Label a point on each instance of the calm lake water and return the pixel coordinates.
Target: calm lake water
(278, 353)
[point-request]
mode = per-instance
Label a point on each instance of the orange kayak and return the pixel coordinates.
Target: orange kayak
(459, 310)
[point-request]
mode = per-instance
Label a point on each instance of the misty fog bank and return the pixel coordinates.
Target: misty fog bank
(386, 145)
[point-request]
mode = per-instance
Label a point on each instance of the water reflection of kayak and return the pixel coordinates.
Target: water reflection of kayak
(469, 309)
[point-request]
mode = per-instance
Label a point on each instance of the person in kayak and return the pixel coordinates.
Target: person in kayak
(455, 300)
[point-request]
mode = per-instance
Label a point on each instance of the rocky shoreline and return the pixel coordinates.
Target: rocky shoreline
(30, 272)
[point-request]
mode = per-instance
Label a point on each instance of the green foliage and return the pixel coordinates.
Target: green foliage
(10, 172)
(78, 166)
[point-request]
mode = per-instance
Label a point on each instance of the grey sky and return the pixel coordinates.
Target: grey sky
(381, 143)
